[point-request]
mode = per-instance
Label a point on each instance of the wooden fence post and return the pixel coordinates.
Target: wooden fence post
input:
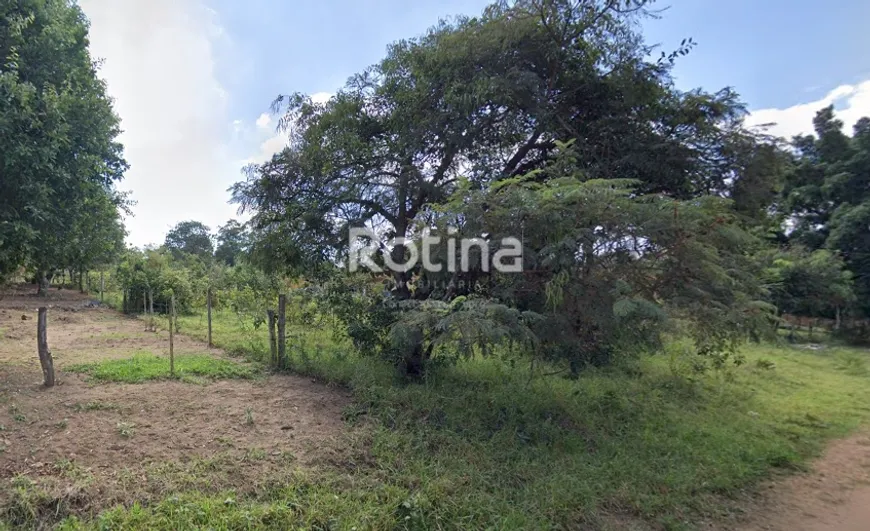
(172, 335)
(273, 338)
(208, 303)
(42, 346)
(282, 336)
(151, 324)
(102, 286)
(124, 304)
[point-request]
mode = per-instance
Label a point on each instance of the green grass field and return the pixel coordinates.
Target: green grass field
(482, 445)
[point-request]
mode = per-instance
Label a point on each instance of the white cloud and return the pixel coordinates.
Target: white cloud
(278, 140)
(263, 121)
(322, 97)
(268, 147)
(852, 102)
(160, 66)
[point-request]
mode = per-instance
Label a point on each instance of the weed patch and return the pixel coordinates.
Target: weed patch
(145, 366)
(484, 445)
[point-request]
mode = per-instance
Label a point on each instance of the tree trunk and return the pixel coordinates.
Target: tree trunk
(282, 328)
(415, 363)
(397, 254)
(42, 281)
(837, 320)
(102, 285)
(42, 346)
(81, 279)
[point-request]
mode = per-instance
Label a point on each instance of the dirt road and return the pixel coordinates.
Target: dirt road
(833, 496)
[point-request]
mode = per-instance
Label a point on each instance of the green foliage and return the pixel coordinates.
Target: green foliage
(190, 237)
(157, 273)
(456, 330)
(609, 267)
(58, 205)
(827, 197)
(233, 242)
(249, 292)
(572, 139)
(807, 283)
(486, 99)
(359, 302)
(145, 366)
(489, 444)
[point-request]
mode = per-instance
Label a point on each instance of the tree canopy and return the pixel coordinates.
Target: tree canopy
(233, 241)
(58, 139)
(190, 237)
(550, 121)
(826, 195)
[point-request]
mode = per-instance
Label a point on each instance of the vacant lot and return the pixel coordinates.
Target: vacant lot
(482, 445)
(86, 445)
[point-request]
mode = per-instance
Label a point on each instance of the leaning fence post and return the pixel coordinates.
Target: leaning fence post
(42, 346)
(282, 336)
(172, 335)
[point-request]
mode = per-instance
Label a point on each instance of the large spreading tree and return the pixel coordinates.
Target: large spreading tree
(488, 98)
(491, 102)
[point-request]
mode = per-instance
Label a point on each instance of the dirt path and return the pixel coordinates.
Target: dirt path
(833, 496)
(95, 445)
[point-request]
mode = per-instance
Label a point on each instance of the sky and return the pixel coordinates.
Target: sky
(193, 80)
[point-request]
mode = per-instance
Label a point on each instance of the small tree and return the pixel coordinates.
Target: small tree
(809, 284)
(190, 237)
(233, 241)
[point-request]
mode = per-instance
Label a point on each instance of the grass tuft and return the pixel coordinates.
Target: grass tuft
(144, 366)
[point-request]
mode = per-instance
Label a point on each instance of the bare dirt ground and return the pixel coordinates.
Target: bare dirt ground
(106, 443)
(833, 496)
